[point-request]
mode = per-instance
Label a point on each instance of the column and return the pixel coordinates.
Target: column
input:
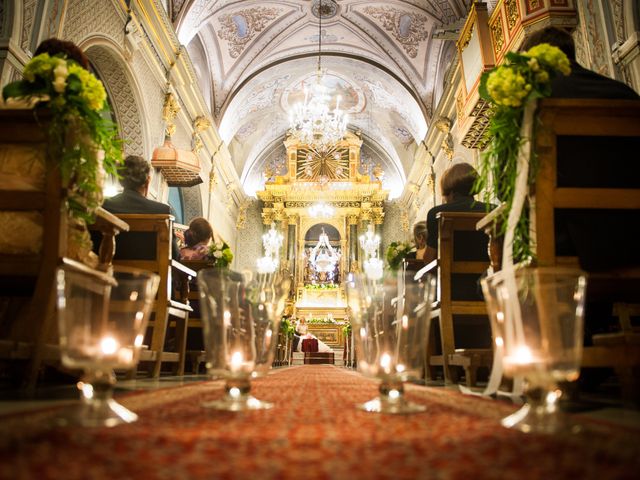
(353, 243)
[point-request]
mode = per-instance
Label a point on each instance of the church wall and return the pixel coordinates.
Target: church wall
(392, 229)
(134, 67)
(248, 246)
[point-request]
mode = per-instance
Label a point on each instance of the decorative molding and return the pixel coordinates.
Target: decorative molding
(498, 36)
(112, 73)
(89, 18)
(242, 26)
(511, 9)
(28, 17)
(407, 28)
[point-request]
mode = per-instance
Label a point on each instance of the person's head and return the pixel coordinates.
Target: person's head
(420, 234)
(457, 181)
(70, 50)
(199, 231)
(553, 36)
(135, 174)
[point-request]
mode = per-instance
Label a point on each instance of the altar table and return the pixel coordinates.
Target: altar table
(313, 432)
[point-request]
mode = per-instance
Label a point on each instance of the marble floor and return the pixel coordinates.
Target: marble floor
(603, 403)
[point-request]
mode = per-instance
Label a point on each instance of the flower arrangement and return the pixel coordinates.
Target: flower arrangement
(221, 254)
(81, 138)
(287, 327)
(398, 251)
(320, 286)
(509, 87)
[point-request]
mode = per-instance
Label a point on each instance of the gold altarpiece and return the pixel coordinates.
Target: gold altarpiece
(328, 176)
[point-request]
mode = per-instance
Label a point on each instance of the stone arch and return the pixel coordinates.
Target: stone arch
(121, 88)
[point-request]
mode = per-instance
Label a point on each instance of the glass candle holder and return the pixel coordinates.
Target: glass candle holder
(241, 317)
(390, 322)
(101, 325)
(537, 317)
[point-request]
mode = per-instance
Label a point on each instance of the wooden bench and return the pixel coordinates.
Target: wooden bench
(459, 306)
(32, 191)
(154, 231)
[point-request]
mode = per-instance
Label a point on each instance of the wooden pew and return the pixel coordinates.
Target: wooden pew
(462, 258)
(588, 165)
(30, 185)
(156, 232)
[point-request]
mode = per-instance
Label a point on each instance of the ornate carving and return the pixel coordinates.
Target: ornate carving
(28, 12)
(476, 135)
(533, 5)
(200, 124)
(177, 7)
(618, 19)
(407, 28)
(404, 221)
(444, 125)
(498, 36)
(352, 219)
(241, 221)
(241, 27)
(513, 16)
(170, 109)
(464, 41)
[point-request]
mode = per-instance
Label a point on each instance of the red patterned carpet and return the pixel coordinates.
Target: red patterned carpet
(313, 432)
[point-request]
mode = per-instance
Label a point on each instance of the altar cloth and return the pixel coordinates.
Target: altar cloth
(313, 432)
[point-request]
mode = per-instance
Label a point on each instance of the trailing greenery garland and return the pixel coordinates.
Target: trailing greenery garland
(321, 286)
(509, 87)
(81, 138)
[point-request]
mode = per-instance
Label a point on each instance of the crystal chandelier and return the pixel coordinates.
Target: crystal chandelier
(323, 256)
(271, 242)
(312, 122)
(372, 266)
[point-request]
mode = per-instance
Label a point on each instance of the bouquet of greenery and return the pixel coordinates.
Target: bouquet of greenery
(509, 87)
(221, 254)
(287, 328)
(81, 138)
(398, 251)
(320, 286)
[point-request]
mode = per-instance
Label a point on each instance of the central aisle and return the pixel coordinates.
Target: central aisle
(313, 432)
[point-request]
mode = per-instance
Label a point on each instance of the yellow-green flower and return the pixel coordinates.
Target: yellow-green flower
(40, 66)
(507, 87)
(92, 90)
(551, 55)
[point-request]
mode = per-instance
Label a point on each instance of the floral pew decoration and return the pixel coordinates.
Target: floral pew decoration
(82, 142)
(397, 252)
(221, 254)
(508, 166)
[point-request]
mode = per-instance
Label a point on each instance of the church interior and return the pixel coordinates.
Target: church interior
(407, 227)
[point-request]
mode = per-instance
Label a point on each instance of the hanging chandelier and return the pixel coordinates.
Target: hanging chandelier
(323, 256)
(312, 121)
(271, 242)
(370, 242)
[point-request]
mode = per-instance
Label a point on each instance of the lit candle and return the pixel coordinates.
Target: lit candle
(109, 346)
(236, 361)
(385, 362)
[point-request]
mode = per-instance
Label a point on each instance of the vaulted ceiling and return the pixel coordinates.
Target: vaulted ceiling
(386, 59)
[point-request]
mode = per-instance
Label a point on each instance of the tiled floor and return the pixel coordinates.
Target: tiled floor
(602, 404)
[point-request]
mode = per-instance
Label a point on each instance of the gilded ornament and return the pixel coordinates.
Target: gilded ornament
(201, 123)
(498, 36)
(512, 13)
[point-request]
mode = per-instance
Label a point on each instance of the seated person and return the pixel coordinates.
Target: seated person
(135, 176)
(197, 239)
(420, 241)
(302, 329)
(456, 187)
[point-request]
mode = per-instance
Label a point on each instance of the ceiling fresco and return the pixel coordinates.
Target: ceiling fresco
(383, 58)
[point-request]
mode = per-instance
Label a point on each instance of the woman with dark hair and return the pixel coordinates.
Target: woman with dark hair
(70, 50)
(456, 187)
(197, 238)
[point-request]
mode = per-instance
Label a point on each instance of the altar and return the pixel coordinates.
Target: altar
(320, 206)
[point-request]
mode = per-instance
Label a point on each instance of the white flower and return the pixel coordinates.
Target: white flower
(59, 84)
(401, 248)
(61, 71)
(218, 245)
(217, 254)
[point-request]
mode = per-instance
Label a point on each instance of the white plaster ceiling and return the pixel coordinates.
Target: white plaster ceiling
(381, 56)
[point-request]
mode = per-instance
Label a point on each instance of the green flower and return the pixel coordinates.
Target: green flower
(552, 56)
(39, 66)
(507, 86)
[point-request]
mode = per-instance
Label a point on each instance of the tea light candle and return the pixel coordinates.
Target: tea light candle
(237, 361)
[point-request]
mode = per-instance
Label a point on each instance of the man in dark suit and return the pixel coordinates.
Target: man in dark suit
(135, 178)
